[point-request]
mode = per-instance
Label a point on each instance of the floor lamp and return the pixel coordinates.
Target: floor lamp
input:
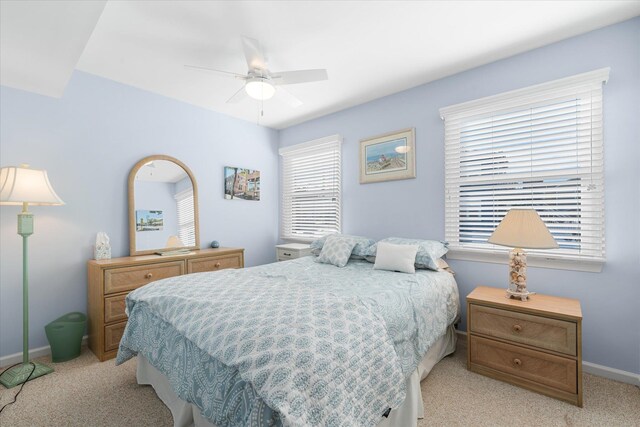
(24, 186)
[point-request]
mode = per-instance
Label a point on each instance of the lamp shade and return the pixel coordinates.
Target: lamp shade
(174, 242)
(523, 228)
(20, 185)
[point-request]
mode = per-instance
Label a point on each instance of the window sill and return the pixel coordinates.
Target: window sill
(532, 260)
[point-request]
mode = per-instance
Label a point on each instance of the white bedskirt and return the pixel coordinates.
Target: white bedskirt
(187, 415)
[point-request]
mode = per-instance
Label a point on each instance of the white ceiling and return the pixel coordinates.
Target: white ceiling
(161, 171)
(370, 49)
(41, 41)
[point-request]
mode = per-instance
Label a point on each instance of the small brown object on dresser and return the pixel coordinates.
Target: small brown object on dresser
(111, 280)
(535, 344)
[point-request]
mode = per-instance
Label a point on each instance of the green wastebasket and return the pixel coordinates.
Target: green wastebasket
(65, 336)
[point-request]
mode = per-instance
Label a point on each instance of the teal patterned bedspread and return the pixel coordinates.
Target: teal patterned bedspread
(292, 343)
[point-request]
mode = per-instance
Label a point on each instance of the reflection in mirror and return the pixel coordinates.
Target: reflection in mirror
(164, 207)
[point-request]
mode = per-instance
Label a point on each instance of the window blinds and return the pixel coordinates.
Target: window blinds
(539, 147)
(311, 189)
(186, 217)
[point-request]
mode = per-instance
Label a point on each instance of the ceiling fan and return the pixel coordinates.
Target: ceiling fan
(260, 82)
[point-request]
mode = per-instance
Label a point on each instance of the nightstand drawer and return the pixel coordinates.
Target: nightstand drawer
(542, 332)
(520, 363)
(129, 278)
(285, 254)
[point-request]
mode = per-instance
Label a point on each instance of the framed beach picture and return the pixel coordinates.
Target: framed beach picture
(388, 157)
(149, 220)
(241, 183)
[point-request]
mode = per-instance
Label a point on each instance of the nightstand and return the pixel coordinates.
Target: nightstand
(535, 344)
(292, 251)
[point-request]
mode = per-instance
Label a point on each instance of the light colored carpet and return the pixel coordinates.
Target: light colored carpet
(85, 392)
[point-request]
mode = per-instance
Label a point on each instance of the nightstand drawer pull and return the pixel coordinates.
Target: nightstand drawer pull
(148, 276)
(217, 264)
(517, 328)
(517, 362)
(286, 254)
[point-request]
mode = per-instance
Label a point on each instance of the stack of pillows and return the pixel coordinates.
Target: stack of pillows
(392, 253)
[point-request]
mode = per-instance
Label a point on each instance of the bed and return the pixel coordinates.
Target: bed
(292, 343)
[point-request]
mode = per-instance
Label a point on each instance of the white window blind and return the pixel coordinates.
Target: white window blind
(186, 217)
(311, 189)
(540, 147)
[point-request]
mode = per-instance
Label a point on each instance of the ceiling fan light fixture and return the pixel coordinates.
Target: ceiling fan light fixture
(260, 88)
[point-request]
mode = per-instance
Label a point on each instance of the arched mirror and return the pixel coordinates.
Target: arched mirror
(163, 207)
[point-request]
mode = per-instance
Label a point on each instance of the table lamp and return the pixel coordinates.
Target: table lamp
(24, 186)
(521, 228)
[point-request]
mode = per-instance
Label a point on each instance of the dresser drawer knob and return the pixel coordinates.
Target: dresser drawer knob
(148, 276)
(217, 264)
(517, 328)
(517, 362)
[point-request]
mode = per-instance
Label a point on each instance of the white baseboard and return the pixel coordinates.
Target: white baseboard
(611, 373)
(600, 370)
(33, 353)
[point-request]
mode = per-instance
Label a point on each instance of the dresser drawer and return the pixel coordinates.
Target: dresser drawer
(517, 362)
(114, 308)
(112, 335)
(129, 278)
(542, 332)
(214, 263)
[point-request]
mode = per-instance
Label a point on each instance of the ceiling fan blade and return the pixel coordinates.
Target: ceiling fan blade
(253, 54)
(288, 97)
(238, 96)
(213, 70)
(300, 76)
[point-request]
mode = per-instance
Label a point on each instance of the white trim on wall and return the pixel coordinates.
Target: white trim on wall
(533, 260)
(11, 359)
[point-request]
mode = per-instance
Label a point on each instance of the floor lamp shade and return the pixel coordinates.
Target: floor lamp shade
(20, 185)
(24, 186)
(521, 228)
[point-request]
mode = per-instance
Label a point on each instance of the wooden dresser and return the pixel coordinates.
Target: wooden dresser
(111, 280)
(535, 344)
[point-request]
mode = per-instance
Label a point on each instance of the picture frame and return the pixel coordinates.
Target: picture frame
(388, 157)
(149, 220)
(241, 183)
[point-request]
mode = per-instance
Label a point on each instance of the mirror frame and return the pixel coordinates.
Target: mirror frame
(132, 213)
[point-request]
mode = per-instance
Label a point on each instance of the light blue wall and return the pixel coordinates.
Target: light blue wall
(88, 141)
(610, 299)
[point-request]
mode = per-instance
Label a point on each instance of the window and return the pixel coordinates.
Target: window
(186, 217)
(540, 147)
(311, 189)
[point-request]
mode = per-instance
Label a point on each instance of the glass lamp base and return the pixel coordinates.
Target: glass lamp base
(19, 374)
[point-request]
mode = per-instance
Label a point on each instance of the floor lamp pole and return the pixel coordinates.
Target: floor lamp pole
(25, 299)
(26, 370)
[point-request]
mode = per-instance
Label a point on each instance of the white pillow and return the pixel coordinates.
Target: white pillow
(394, 257)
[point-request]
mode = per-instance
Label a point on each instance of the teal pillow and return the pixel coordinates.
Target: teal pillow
(359, 250)
(429, 251)
(336, 250)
